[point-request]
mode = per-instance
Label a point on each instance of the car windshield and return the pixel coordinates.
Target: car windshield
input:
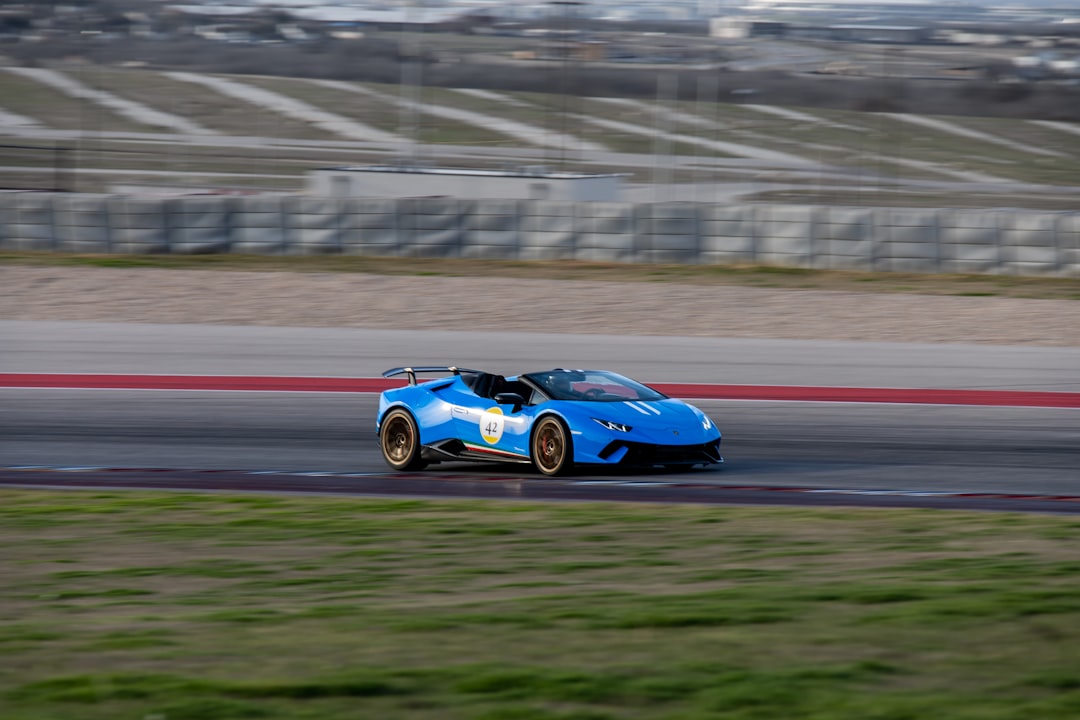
(593, 385)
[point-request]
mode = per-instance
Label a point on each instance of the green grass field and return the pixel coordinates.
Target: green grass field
(214, 607)
(55, 110)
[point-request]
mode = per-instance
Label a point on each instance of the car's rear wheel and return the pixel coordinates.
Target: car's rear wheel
(552, 452)
(400, 441)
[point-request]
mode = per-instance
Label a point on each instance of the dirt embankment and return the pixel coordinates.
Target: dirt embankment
(531, 305)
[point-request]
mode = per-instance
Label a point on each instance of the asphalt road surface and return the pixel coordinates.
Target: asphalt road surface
(862, 448)
(835, 453)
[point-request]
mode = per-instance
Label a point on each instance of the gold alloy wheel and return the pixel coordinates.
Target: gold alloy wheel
(550, 447)
(399, 441)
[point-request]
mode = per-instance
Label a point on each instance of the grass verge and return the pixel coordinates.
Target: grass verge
(753, 276)
(213, 607)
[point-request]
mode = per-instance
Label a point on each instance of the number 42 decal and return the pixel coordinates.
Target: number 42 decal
(492, 423)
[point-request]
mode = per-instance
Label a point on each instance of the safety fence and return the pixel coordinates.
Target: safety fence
(1024, 242)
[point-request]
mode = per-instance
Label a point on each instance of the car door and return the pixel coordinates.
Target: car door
(503, 428)
(491, 428)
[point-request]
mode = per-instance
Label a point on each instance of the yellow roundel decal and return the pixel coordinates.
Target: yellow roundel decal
(491, 425)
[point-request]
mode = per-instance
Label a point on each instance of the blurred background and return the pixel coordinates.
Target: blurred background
(779, 101)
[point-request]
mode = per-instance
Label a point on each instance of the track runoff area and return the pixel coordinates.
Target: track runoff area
(647, 488)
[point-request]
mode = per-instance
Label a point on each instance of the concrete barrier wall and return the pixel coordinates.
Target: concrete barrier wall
(971, 241)
(257, 225)
(548, 230)
(906, 240)
(369, 227)
(198, 225)
(81, 224)
(842, 238)
(139, 226)
(1023, 242)
(492, 229)
(27, 222)
(729, 234)
(786, 235)
(668, 233)
(1068, 244)
(605, 232)
(1030, 244)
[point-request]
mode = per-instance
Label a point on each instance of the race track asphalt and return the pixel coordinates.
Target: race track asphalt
(856, 452)
(852, 447)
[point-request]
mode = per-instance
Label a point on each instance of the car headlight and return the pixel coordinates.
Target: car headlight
(617, 427)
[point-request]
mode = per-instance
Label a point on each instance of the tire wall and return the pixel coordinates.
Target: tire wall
(1005, 241)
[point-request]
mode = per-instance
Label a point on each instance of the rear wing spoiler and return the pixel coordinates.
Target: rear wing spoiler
(412, 371)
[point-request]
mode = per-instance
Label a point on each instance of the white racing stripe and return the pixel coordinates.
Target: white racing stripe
(643, 408)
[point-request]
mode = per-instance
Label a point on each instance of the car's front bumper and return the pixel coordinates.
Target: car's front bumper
(625, 452)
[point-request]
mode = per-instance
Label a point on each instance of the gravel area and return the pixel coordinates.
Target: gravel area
(410, 302)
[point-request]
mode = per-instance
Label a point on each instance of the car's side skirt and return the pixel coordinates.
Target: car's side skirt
(455, 449)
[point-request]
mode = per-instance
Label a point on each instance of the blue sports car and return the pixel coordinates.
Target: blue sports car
(555, 419)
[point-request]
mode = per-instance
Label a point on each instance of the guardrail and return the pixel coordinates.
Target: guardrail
(1024, 242)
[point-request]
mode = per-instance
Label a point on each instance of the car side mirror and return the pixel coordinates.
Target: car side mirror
(510, 399)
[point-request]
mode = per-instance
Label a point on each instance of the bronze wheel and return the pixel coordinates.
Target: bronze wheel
(400, 441)
(551, 449)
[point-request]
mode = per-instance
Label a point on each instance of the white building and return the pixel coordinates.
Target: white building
(529, 183)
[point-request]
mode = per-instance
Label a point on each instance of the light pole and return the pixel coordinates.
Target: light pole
(411, 78)
(85, 111)
(564, 85)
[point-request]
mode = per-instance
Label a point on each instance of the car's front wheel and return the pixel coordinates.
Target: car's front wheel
(552, 452)
(400, 441)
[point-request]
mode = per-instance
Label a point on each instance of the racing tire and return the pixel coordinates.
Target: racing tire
(399, 439)
(551, 448)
